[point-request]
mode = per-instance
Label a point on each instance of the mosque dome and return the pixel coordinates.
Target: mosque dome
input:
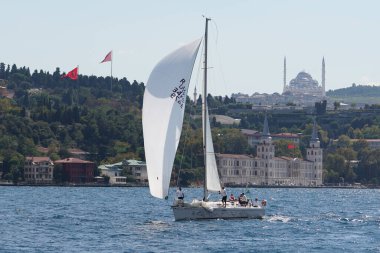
(303, 80)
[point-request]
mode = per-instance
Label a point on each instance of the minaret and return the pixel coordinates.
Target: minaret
(315, 155)
(284, 74)
(195, 96)
(323, 77)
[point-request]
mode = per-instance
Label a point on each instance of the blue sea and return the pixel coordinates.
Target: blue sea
(114, 219)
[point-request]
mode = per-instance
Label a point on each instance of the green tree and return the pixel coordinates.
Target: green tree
(287, 148)
(343, 141)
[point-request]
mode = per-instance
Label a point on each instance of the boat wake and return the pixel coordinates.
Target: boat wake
(278, 218)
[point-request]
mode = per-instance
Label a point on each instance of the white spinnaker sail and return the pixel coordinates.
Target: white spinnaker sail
(162, 115)
(213, 182)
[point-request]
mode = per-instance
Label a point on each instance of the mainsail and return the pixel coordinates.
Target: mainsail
(213, 182)
(162, 116)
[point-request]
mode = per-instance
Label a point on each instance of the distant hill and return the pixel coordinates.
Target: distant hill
(365, 94)
(356, 90)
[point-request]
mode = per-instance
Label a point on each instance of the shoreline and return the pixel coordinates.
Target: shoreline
(234, 186)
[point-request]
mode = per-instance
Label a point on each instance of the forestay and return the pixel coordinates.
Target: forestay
(162, 116)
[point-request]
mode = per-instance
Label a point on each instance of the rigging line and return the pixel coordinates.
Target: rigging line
(218, 58)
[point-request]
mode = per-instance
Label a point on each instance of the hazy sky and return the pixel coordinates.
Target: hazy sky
(251, 37)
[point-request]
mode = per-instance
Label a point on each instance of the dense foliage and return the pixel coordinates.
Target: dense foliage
(58, 114)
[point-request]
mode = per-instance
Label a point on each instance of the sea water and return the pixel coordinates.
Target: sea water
(121, 219)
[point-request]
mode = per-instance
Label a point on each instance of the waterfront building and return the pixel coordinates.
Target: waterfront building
(38, 170)
(114, 172)
(77, 170)
(267, 169)
(137, 169)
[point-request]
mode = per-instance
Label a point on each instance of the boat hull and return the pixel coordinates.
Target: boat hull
(203, 212)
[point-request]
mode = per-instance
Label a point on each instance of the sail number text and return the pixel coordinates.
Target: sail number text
(179, 93)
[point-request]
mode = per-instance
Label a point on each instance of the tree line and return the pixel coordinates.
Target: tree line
(59, 114)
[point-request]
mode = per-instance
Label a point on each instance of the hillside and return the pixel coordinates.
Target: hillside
(356, 94)
(42, 111)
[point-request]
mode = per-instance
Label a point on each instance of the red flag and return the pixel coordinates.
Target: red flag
(73, 74)
(108, 57)
(291, 146)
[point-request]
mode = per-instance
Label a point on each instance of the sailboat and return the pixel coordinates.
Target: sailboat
(163, 112)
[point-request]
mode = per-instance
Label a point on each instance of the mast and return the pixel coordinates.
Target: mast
(204, 108)
(284, 75)
(111, 68)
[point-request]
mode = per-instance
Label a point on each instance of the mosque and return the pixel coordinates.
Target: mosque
(266, 169)
(304, 84)
(303, 90)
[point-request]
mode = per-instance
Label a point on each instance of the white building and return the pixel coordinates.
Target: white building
(114, 172)
(137, 169)
(38, 170)
(266, 169)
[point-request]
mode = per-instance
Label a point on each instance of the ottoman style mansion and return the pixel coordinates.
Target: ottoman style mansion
(266, 169)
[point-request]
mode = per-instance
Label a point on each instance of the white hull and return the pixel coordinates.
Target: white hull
(214, 210)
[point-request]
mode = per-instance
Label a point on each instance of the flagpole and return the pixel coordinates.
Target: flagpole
(111, 68)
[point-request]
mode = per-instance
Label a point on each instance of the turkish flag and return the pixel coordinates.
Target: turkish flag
(108, 57)
(73, 74)
(291, 146)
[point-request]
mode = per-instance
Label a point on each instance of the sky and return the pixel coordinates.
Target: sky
(248, 39)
